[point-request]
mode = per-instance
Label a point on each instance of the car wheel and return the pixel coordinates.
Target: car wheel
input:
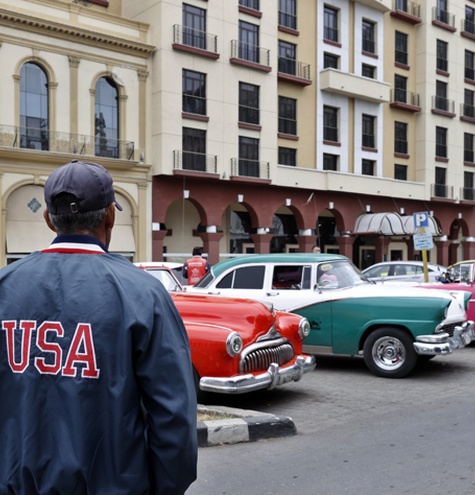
(389, 352)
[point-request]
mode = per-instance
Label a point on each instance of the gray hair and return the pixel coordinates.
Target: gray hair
(70, 223)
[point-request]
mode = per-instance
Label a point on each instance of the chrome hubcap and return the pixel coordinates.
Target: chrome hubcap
(389, 353)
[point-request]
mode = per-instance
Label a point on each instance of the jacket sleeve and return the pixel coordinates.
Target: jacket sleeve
(164, 372)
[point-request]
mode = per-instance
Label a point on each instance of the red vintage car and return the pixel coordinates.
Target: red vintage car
(459, 276)
(238, 345)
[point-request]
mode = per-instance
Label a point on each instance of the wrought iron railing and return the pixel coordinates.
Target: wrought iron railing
(443, 104)
(249, 168)
(196, 162)
(63, 142)
(294, 68)
(467, 193)
(250, 53)
(443, 17)
(403, 96)
(411, 8)
(183, 35)
(442, 191)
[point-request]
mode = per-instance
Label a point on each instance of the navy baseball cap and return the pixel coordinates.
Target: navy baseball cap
(90, 183)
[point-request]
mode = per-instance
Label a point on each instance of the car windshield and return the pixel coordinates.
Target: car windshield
(338, 275)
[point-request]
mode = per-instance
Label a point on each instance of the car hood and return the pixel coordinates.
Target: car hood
(249, 318)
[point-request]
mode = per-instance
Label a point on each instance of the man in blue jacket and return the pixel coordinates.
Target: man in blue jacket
(96, 384)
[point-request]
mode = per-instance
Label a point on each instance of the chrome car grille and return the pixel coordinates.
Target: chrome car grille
(259, 357)
(450, 328)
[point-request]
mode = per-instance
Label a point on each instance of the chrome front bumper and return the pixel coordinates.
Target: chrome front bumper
(268, 380)
(443, 343)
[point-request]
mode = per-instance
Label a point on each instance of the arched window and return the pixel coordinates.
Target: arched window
(34, 122)
(107, 118)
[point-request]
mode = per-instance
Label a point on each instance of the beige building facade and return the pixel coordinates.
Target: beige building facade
(74, 84)
(247, 126)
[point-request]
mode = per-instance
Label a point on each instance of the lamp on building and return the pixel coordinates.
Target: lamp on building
(186, 193)
(402, 211)
(459, 216)
(368, 208)
(211, 229)
(240, 198)
(155, 226)
(288, 202)
(331, 205)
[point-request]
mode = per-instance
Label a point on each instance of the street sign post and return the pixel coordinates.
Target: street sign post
(422, 240)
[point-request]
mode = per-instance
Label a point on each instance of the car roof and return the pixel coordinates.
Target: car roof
(275, 258)
(158, 264)
(405, 262)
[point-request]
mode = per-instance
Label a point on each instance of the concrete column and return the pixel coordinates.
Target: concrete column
(211, 245)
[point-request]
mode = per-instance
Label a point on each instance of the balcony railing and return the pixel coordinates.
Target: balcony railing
(467, 110)
(63, 142)
(406, 97)
(467, 193)
(412, 9)
(294, 68)
(287, 126)
(249, 168)
(443, 17)
(400, 146)
(196, 162)
(194, 38)
(250, 4)
(442, 191)
(468, 26)
(250, 53)
(249, 115)
(443, 105)
(287, 20)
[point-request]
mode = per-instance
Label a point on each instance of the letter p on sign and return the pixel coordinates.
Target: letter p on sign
(421, 219)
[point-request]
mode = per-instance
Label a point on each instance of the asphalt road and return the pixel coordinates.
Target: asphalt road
(357, 434)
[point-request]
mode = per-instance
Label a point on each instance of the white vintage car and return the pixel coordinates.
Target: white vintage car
(391, 326)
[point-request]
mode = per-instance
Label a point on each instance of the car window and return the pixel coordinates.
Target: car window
(377, 271)
(249, 277)
(291, 277)
(400, 270)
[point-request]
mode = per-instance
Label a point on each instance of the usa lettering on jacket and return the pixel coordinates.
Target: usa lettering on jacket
(80, 357)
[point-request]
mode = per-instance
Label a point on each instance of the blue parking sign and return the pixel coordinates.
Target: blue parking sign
(421, 219)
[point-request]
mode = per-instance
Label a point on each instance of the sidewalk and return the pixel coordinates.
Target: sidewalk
(243, 425)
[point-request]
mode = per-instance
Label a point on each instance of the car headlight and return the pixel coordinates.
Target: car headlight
(234, 344)
(304, 328)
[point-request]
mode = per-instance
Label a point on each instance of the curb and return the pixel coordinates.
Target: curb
(242, 425)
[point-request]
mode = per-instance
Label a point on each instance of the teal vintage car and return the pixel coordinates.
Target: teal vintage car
(391, 326)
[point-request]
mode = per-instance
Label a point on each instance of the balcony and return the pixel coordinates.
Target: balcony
(190, 40)
(467, 112)
(185, 162)
(353, 86)
(405, 100)
(293, 71)
(443, 19)
(250, 169)
(407, 11)
(467, 194)
(62, 142)
(442, 191)
(251, 56)
(468, 29)
(443, 106)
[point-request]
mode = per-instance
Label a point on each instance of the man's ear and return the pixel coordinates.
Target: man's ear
(48, 221)
(110, 216)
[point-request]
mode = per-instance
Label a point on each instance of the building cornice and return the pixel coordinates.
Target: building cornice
(67, 32)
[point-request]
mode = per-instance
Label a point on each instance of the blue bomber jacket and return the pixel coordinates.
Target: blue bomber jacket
(96, 382)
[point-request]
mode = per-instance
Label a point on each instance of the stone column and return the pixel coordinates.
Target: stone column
(306, 242)
(345, 244)
(157, 244)
(442, 252)
(262, 242)
(211, 245)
